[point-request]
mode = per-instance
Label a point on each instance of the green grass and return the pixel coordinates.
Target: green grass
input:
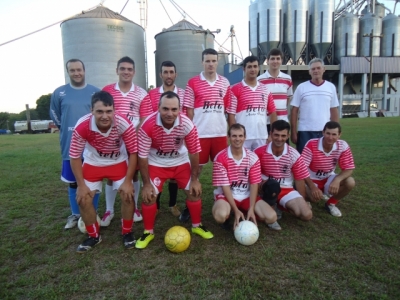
(353, 257)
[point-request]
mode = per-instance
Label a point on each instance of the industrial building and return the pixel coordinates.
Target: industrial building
(341, 36)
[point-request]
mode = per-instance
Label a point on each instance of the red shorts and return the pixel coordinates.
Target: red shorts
(96, 173)
(181, 173)
(320, 183)
(210, 147)
(243, 205)
(286, 195)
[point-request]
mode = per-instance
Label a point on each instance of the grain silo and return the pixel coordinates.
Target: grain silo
(370, 22)
(182, 44)
(100, 37)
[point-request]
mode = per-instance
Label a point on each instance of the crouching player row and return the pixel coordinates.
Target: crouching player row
(104, 135)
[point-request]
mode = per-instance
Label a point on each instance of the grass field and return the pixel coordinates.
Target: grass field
(353, 257)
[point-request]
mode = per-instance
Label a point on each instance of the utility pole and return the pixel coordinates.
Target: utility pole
(371, 37)
(232, 35)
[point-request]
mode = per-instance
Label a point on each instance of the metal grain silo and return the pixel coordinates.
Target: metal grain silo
(253, 12)
(322, 26)
(390, 42)
(270, 12)
(296, 28)
(367, 23)
(182, 44)
(223, 59)
(346, 36)
(100, 37)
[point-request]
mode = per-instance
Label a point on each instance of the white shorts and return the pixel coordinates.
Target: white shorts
(289, 197)
(253, 144)
(98, 185)
(326, 183)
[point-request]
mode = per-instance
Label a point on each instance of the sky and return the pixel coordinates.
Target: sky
(33, 66)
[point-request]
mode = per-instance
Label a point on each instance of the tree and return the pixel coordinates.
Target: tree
(4, 116)
(43, 107)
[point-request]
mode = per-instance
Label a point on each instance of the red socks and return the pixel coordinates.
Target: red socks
(332, 201)
(149, 215)
(126, 225)
(194, 210)
(93, 230)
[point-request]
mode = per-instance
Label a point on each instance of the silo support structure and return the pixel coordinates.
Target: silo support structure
(363, 90)
(385, 105)
(340, 87)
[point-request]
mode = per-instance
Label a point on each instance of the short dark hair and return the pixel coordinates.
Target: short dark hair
(167, 63)
(248, 59)
(280, 125)
(207, 52)
(236, 126)
(274, 52)
(74, 60)
(104, 97)
(332, 125)
(169, 95)
(126, 59)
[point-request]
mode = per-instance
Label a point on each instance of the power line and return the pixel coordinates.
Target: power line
(124, 6)
(186, 14)
(166, 12)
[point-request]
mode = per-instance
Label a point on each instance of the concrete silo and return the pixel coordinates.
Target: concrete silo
(182, 44)
(100, 37)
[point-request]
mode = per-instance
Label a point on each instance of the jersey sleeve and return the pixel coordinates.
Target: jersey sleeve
(255, 172)
(271, 103)
(334, 100)
(144, 144)
(130, 139)
(290, 89)
(220, 175)
(296, 97)
(188, 99)
(307, 154)
(300, 170)
(232, 107)
(228, 96)
(146, 108)
(192, 141)
(55, 109)
(346, 161)
(77, 144)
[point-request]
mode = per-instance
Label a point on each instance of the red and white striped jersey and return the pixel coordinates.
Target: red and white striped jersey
(251, 105)
(209, 101)
(155, 94)
(239, 175)
(166, 147)
(320, 164)
(103, 149)
(281, 88)
(131, 105)
(285, 168)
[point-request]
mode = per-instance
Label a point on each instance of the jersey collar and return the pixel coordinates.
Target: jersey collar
(161, 90)
(253, 88)
(118, 89)
(269, 150)
(211, 82)
(231, 156)
(176, 123)
(93, 127)
(321, 147)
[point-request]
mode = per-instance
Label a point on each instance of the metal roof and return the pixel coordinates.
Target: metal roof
(100, 12)
(380, 65)
(182, 25)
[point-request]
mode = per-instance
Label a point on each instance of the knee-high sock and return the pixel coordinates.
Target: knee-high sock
(136, 186)
(173, 193)
(126, 225)
(149, 216)
(195, 211)
(72, 201)
(93, 230)
(332, 200)
(110, 198)
(96, 201)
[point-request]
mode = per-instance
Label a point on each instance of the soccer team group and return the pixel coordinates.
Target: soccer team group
(169, 134)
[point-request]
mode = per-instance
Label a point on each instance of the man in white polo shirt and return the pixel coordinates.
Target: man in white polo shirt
(317, 102)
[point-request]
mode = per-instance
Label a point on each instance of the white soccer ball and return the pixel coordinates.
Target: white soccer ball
(246, 233)
(81, 224)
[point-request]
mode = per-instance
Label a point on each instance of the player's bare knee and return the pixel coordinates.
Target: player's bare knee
(306, 215)
(350, 183)
(270, 218)
(220, 216)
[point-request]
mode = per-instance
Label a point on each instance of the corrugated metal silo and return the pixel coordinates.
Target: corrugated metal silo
(367, 23)
(253, 10)
(182, 44)
(346, 36)
(100, 37)
(296, 29)
(322, 24)
(223, 59)
(270, 12)
(390, 42)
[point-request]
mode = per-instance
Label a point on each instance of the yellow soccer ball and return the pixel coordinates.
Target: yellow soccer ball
(177, 239)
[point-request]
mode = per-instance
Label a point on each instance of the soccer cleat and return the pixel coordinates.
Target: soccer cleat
(72, 221)
(203, 232)
(137, 217)
(278, 212)
(144, 240)
(185, 215)
(106, 220)
(227, 225)
(333, 210)
(175, 211)
(275, 226)
(88, 244)
(129, 240)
